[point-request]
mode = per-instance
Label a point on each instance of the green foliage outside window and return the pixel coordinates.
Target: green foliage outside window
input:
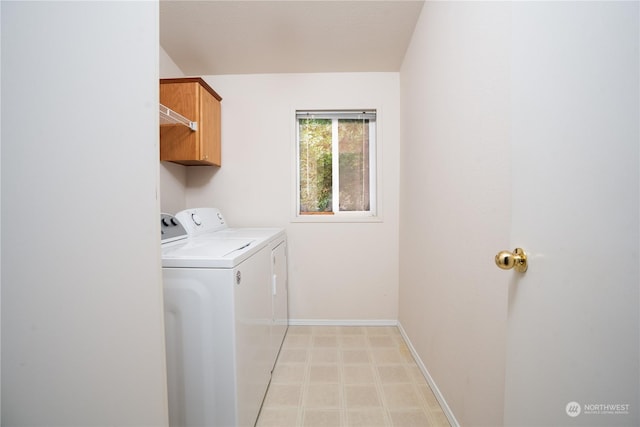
(353, 138)
(315, 165)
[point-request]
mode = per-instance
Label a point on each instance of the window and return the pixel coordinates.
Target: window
(336, 162)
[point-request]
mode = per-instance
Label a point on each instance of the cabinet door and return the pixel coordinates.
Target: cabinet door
(209, 121)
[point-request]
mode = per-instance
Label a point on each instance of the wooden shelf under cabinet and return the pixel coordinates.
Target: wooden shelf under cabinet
(194, 99)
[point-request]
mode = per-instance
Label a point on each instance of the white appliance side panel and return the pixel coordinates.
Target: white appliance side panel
(253, 318)
(280, 297)
(199, 329)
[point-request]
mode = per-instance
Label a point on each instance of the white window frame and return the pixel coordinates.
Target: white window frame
(372, 215)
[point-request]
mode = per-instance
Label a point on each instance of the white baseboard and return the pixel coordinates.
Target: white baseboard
(343, 322)
(443, 403)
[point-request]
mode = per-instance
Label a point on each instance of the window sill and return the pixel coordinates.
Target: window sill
(335, 218)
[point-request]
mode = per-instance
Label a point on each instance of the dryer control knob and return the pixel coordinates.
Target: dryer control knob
(196, 219)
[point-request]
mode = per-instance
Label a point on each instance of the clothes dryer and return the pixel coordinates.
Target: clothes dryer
(217, 326)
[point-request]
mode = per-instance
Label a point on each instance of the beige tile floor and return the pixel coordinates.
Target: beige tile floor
(348, 376)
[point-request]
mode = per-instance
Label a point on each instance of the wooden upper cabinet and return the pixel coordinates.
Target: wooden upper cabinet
(194, 99)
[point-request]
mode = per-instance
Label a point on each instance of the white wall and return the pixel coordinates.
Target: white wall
(337, 271)
(82, 326)
(0, 219)
(173, 177)
(455, 202)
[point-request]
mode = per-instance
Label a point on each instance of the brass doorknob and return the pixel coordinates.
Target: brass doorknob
(517, 260)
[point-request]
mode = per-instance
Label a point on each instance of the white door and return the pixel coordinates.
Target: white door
(573, 334)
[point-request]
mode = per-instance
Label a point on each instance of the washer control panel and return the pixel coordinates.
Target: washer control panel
(171, 229)
(201, 220)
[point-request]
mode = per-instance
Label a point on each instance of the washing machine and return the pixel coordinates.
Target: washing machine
(209, 223)
(219, 322)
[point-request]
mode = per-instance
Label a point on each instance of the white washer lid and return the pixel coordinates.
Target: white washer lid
(205, 253)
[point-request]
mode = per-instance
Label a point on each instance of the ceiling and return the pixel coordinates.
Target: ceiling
(254, 37)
